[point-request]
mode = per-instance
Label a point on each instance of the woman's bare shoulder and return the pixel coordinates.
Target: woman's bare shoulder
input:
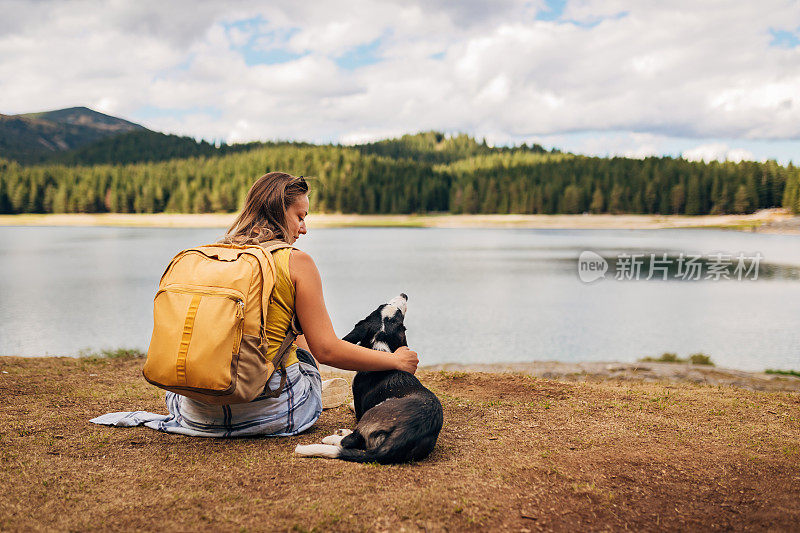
(300, 263)
(299, 256)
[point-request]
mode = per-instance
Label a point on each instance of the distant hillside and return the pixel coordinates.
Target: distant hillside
(437, 148)
(82, 136)
(430, 147)
(146, 145)
(83, 116)
(37, 137)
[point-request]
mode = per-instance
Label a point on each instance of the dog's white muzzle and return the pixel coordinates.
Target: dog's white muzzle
(400, 302)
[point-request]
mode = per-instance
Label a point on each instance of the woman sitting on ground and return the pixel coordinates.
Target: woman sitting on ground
(275, 208)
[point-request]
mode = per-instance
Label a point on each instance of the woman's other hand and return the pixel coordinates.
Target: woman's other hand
(406, 359)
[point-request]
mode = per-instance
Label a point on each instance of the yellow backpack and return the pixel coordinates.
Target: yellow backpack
(209, 315)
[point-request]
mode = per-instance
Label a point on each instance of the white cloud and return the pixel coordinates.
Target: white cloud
(365, 136)
(662, 70)
(739, 154)
(718, 152)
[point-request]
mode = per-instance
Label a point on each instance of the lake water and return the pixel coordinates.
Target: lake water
(475, 295)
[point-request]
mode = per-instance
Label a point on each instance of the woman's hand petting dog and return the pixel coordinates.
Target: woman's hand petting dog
(407, 360)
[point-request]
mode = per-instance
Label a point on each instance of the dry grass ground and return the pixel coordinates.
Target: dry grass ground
(516, 453)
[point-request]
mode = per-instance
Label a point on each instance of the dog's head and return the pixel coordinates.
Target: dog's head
(383, 329)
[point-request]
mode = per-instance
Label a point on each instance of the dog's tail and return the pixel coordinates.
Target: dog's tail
(356, 455)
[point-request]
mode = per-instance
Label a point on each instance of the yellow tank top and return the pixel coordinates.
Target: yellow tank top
(281, 307)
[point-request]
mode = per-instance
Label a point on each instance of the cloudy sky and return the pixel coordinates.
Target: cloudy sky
(699, 78)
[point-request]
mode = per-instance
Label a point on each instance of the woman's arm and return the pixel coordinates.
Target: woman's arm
(300, 341)
(326, 347)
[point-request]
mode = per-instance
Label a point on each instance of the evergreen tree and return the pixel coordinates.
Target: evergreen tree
(616, 202)
(572, 202)
(693, 197)
(741, 202)
(677, 198)
(598, 202)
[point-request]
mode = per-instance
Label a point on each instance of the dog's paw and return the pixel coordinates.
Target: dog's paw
(334, 440)
(317, 450)
(343, 432)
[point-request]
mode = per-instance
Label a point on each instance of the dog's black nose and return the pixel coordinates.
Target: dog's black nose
(404, 295)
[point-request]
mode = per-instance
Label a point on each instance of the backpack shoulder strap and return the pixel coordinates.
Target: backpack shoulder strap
(269, 274)
(294, 325)
(269, 270)
(278, 361)
(271, 246)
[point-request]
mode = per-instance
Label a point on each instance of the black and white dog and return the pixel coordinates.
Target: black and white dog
(398, 418)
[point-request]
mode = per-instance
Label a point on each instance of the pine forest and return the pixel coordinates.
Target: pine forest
(423, 173)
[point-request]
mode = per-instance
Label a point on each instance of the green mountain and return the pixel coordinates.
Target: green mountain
(83, 116)
(38, 137)
(145, 145)
(82, 136)
(437, 148)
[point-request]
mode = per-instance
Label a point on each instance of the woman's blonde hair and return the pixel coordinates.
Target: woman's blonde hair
(263, 216)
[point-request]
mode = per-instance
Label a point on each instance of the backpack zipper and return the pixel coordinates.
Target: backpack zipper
(190, 289)
(240, 327)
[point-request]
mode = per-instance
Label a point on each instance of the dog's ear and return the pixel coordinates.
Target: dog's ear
(358, 333)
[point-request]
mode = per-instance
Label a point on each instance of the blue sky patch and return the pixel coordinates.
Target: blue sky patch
(360, 56)
(262, 47)
(253, 56)
(784, 39)
(553, 10)
(596, 21)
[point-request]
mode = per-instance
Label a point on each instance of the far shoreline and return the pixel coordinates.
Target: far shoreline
(764, 221)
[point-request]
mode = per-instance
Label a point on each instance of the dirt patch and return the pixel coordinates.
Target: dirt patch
(516, 453)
